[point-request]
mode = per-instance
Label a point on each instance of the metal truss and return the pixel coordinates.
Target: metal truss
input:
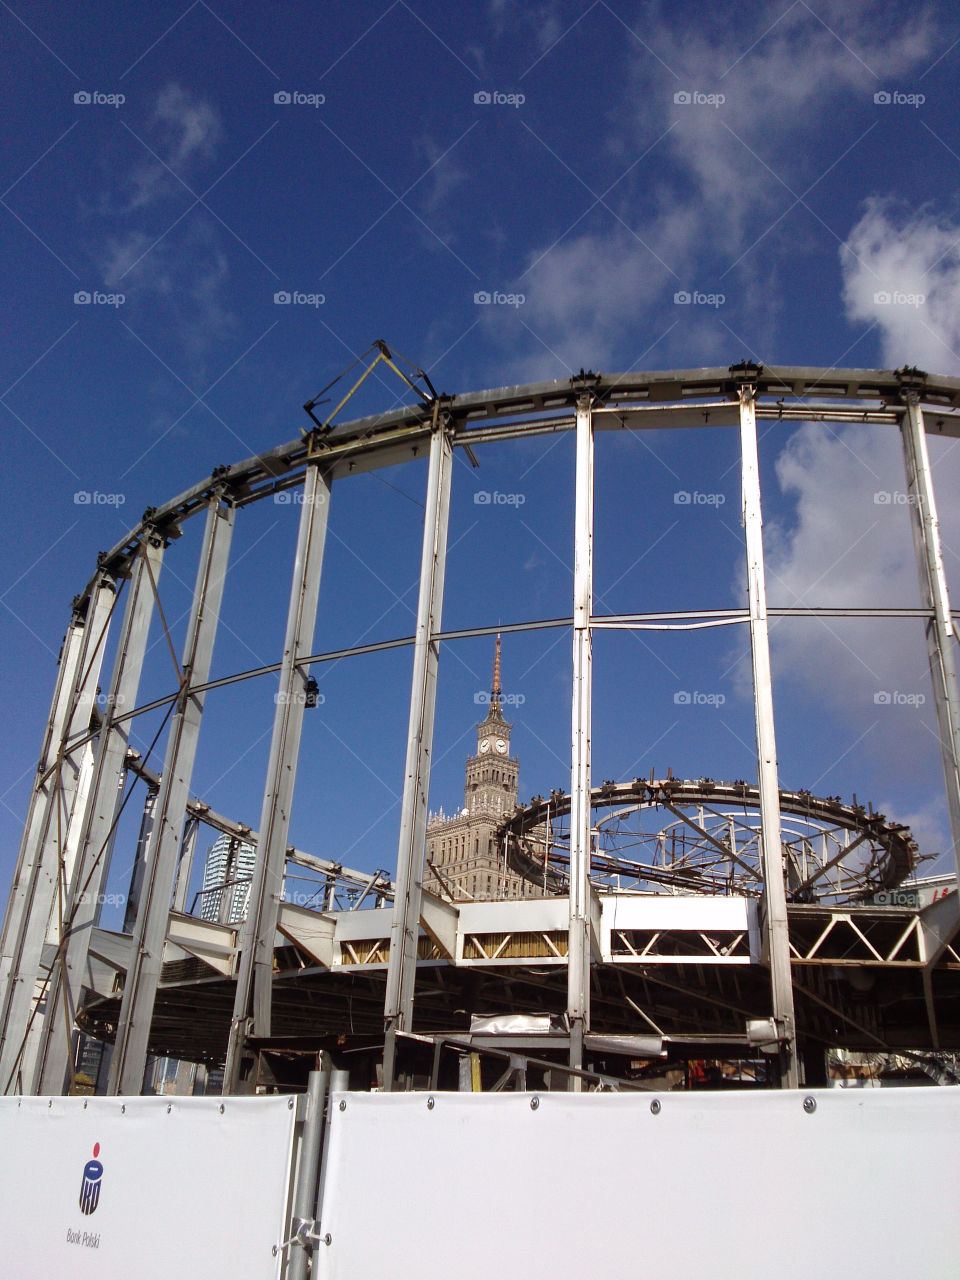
(703, 836)
(746, 881)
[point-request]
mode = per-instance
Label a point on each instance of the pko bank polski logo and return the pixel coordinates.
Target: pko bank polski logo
(90, 1186)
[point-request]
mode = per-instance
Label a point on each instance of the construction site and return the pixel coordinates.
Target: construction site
(653, 937)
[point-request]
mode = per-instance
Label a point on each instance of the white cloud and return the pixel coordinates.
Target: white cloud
(714, 187)
(904, 256)
(544, 20)
(584, 294)
(183, 131)
(443, 177)
(186, 274)
(740, 157)
(183, 270)
(848, 540)
(189, 126)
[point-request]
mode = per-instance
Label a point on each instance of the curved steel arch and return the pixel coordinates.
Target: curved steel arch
(539, 851)
(386, 438)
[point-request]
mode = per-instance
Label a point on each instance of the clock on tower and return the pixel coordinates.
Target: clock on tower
(491, 782)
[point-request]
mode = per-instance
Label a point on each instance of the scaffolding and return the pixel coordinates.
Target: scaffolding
(799, 874)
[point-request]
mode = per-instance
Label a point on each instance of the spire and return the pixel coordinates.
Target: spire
(495, 692)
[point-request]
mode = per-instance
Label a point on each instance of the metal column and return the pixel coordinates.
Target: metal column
(405, 926)
(62, 711)
(308, 1175)
(99, 820)
(776, 929)
(188, 848)
(42, 858)
(941, 631)
(578, 952)
(132, 905)
(252, 1004)
(163, 845)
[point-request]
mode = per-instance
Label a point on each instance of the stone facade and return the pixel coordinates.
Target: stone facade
(463, 862)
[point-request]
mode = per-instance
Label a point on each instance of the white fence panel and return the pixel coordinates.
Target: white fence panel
(151, 1188)
(862, 1186)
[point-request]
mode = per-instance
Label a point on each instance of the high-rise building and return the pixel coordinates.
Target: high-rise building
(464, 862)
(226, 880)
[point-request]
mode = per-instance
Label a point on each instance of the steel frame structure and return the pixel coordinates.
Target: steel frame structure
(717, 827)
(51, 947)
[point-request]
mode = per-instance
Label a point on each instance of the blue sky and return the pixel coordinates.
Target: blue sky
(784, 163)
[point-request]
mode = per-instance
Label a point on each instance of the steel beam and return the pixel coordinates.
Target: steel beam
(941, 629)
(252, 1003)
(163, 843)
(777, 937)
(386, 438)
(132, 905)
(578, 950)
(44, 853)
(99, 821)
(405, 926)
(188, 848)
(38, 814)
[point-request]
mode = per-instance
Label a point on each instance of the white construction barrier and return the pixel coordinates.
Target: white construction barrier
(151, 1188)
(854, 1184)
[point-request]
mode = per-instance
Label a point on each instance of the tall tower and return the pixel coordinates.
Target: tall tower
(490, 786)
(465, 862)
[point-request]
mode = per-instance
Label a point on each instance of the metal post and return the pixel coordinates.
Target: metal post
(21, 890)
(132, 904)
(252, 1003)
(43, 855)
(777, 937)
(230, 889)
(308, 1175)
(405, 926)
(339, 1083)
(188, 848)
(941, 632)
(97, 829)
(578, 948)
(160, 860)
(70, 712)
